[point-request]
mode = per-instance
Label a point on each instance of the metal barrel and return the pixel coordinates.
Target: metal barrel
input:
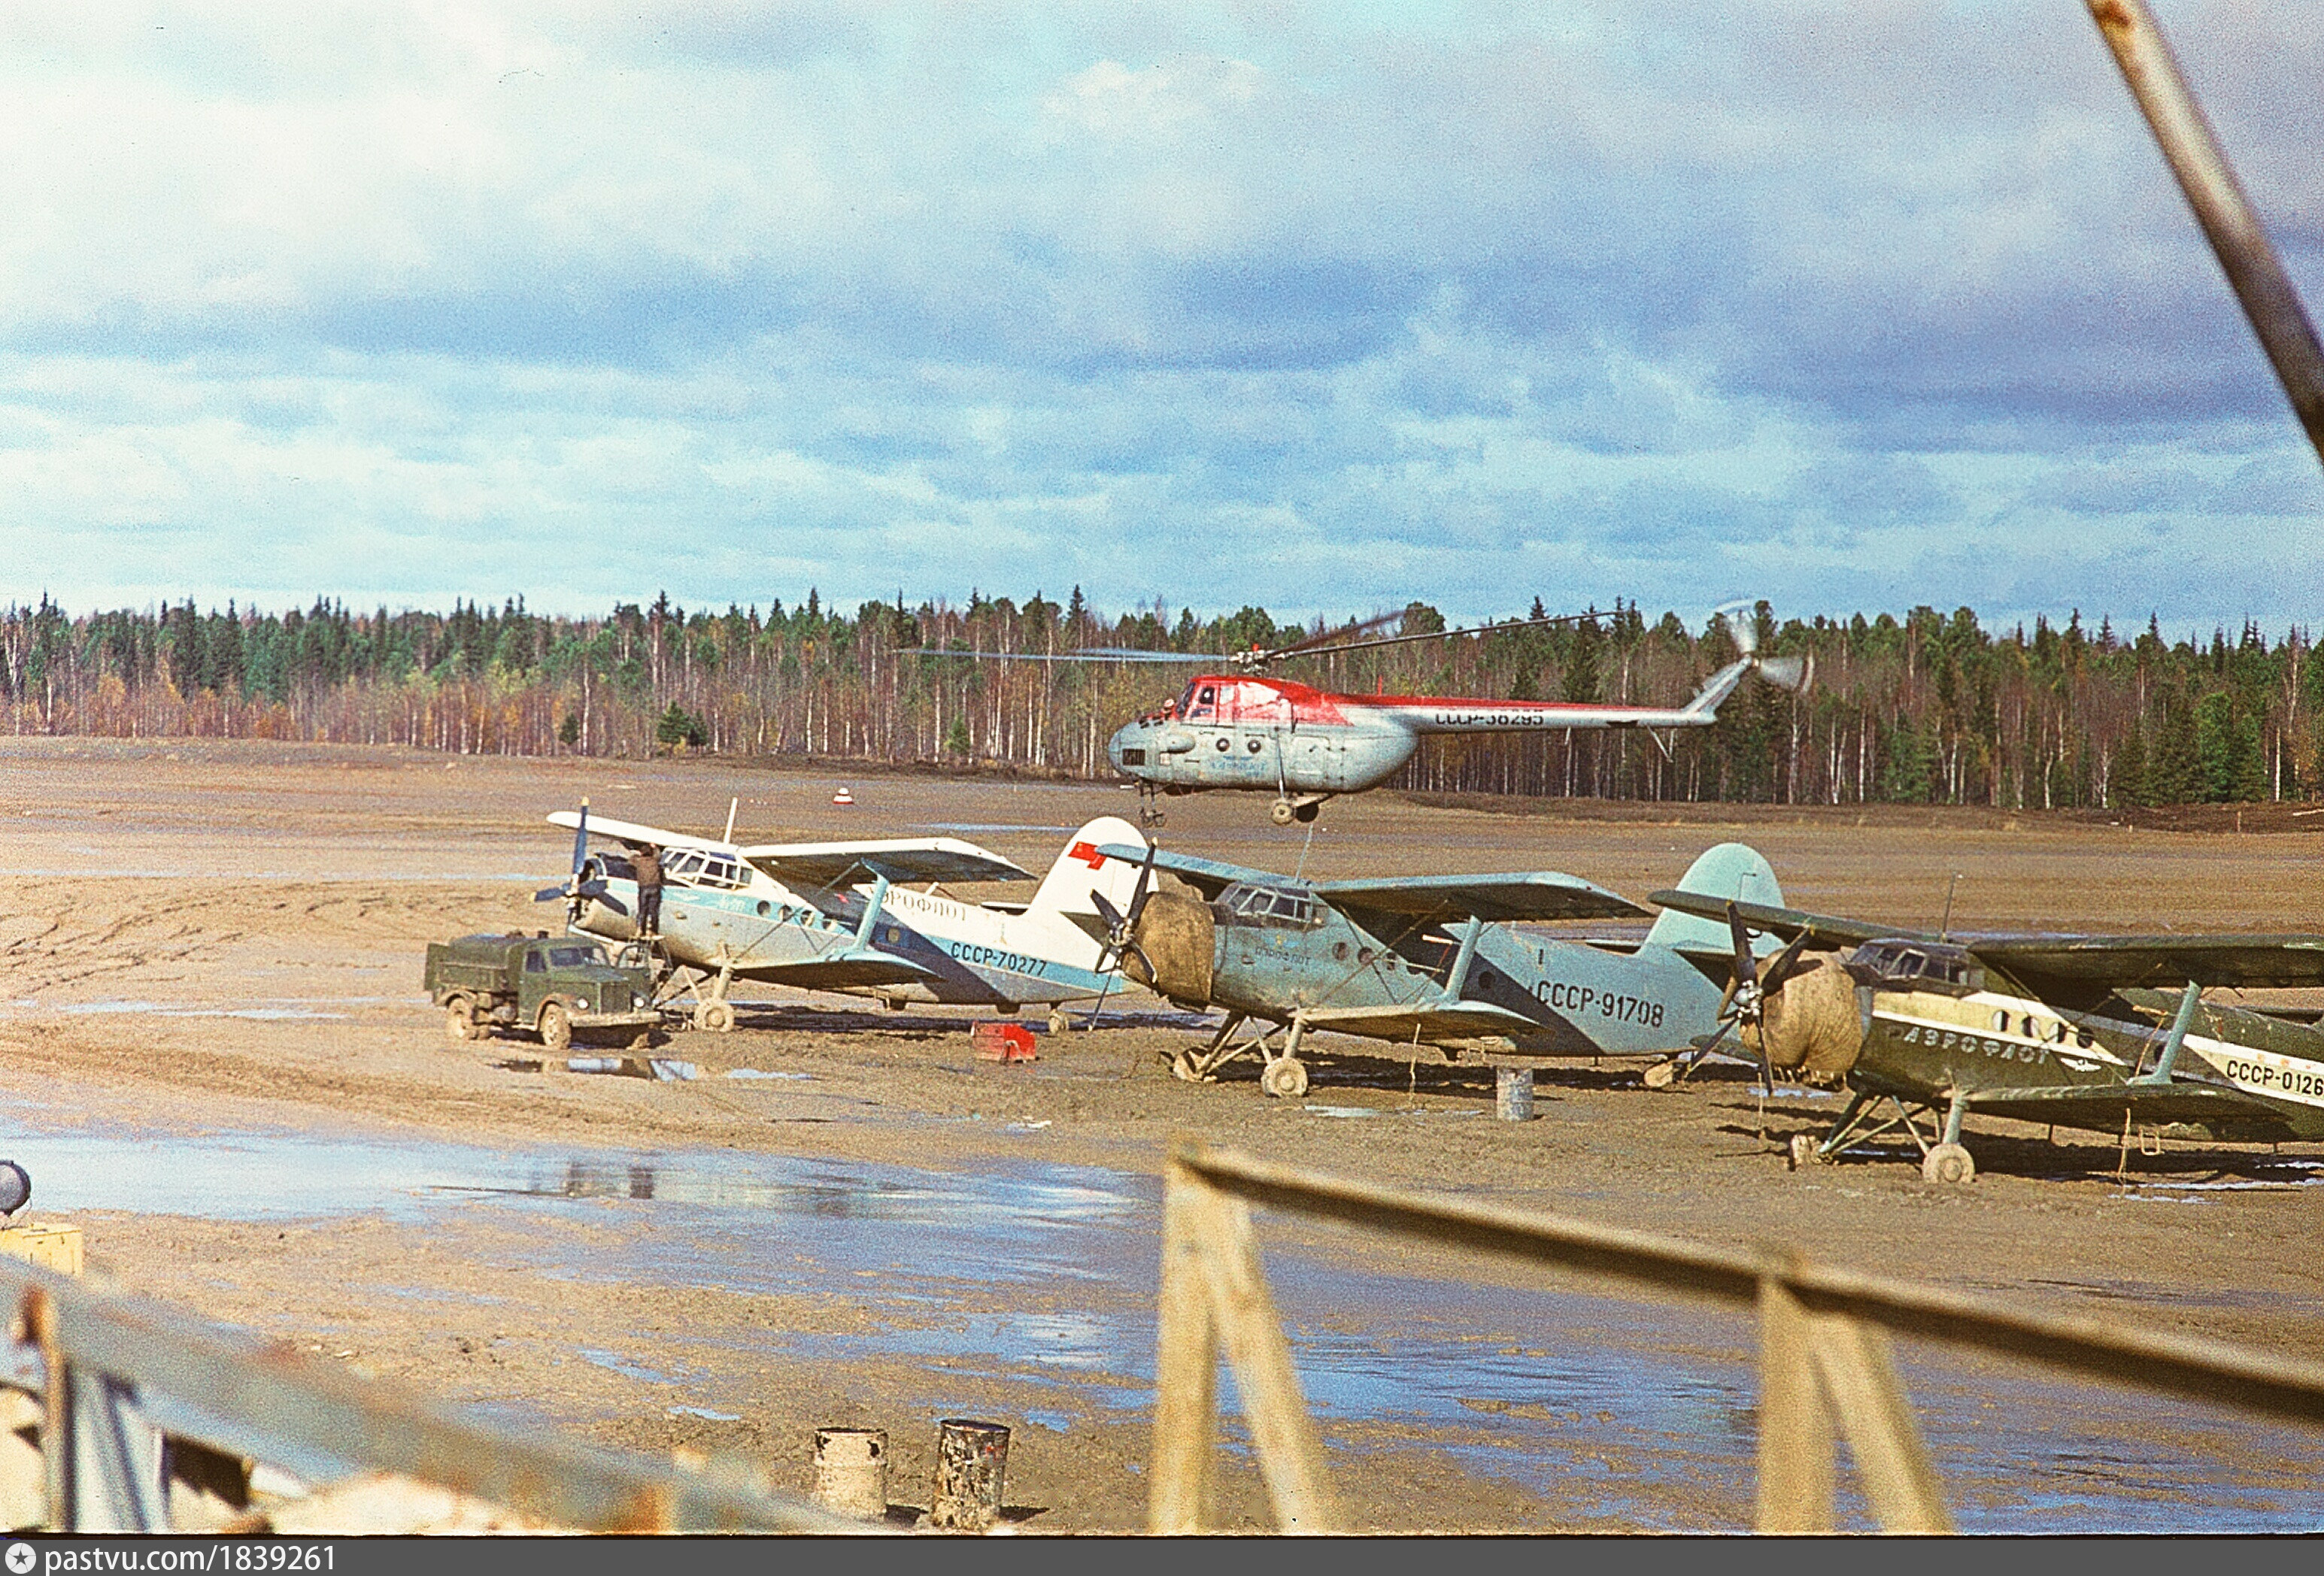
(850, 1472)
(1513, 1093)
(972, 1466)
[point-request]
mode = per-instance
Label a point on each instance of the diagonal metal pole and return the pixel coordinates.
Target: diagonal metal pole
(2192, 151)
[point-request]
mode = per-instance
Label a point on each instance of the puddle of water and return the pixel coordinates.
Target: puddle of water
(1642, 1416)
(157, 1009)
(707, 1413)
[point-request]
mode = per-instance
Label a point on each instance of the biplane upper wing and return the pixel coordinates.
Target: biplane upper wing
(900, 859)
(1425, 1021)
(2102, 1106)
(2117, 962)
(1527, 894)
(1207, 876)
(2040, 959)
(1524, 895)
(635, 834)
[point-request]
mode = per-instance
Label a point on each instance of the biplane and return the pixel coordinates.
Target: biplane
(1435, 960)
(2102, 1033)
(845, 916)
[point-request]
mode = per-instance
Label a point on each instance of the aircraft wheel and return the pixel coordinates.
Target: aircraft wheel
(556, 1028)
(460, 1019)
(1058, 1022)
(1948, 1164)
(1805, 1151)
(1660, 1075)
(717, 1016)
(1285, 1079)
(1280, 812)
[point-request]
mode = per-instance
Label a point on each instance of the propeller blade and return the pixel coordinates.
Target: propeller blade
(1746, 967)
(581, 838)
(1780, 966)
(610, 901)
(1115, 924)
(1142, 890)
(1138, 953)
(549, 894)
(1333, 637)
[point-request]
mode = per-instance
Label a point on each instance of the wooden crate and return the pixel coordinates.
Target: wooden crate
(56, 1248)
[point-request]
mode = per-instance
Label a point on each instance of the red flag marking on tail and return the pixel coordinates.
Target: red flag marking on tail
(1088, 854)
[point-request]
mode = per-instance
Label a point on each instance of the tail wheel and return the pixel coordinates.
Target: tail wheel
(1281, 813)
(1285, 1079)
(1660, 1075)
(1949, 1164)
(1806, 1151)
(1058, 1021)
(717, 1016)
(460, 1019)
(556, 1026)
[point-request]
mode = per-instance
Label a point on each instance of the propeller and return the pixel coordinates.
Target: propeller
(577, 890)
(1794, 673)
(1122, 933)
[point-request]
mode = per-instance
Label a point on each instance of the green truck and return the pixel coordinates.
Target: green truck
(550, 985)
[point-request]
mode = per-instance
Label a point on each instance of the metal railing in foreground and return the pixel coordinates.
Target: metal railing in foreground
(111, 1367)
(1825, 1362)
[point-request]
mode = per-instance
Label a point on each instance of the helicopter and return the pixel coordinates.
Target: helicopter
(1234, 728)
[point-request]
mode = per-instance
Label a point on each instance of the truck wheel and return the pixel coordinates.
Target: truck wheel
(460, 1019)
(717, 1016)
(556, 1027)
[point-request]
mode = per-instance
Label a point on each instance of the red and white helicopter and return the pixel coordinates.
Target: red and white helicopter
(1241, 730)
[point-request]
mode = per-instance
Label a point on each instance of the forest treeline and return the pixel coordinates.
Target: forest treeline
(1922, 707)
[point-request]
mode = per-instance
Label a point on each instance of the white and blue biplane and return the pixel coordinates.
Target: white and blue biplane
(845, 916)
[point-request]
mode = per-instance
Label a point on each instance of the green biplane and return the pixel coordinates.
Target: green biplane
(2105, 1033)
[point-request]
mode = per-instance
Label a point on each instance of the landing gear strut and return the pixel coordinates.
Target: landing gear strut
(1285, 811)
(1944, 1160)
(1283, 1076)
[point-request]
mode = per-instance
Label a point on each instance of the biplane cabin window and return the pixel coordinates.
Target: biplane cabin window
(1267, 906)
(1898, 966)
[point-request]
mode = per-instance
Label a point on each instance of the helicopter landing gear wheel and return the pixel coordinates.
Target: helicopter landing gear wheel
(716, 1016)
(1283, 811)
(556, 1028)
(1948, 1163)
(1058, 1022)
(460, 1020)
(1806, 1152)
(1286, 1078)
(1660, 1075)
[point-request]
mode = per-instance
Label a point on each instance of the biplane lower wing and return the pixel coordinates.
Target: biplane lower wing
(1426, 1021)
(2104, 1107)
(855, 967)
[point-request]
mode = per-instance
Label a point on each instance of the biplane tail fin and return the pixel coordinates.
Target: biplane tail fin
(1082, 868)
(1729, 869)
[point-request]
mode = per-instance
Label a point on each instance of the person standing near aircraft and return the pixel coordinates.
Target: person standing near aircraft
(647, 864)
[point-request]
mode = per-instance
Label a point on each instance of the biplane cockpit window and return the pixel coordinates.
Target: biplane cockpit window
(1267, 906)
(1897, 965)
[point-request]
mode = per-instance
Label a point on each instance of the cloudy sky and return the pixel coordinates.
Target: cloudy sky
(1852, 305)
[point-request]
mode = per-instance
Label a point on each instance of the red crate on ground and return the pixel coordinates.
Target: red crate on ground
(1003, 1042)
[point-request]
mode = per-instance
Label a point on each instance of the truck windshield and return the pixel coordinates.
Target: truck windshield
(574, 957)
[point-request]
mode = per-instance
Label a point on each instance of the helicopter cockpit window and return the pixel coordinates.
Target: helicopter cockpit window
(1204, 702)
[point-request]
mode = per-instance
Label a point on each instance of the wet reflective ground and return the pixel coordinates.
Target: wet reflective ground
(1620, 1414)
